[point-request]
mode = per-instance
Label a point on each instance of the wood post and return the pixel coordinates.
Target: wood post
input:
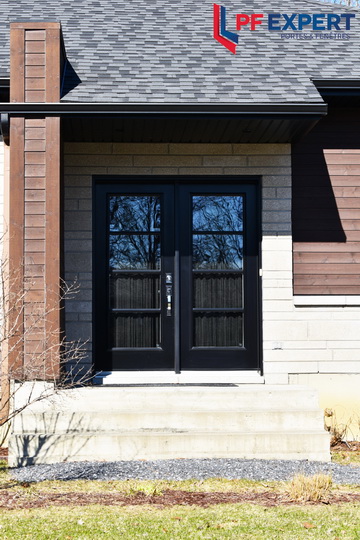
(34, 200)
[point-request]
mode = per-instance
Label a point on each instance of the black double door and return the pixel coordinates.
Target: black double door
(176, 276)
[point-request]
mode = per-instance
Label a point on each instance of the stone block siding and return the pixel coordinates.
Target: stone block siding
(305, 339)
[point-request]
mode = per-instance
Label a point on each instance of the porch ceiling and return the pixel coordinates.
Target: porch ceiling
(187, 129)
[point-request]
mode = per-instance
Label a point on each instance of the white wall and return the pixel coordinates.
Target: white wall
(304, 335)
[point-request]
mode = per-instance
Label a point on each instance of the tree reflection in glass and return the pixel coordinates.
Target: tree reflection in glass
(218, 213)
(214, 215)
(139, 216)
(217, 252)
(130, 252)
(134, 213)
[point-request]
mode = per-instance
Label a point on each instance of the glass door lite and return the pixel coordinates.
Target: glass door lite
(176, 275)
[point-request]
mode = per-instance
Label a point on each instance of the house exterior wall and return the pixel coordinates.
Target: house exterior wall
(297, 339)
(2, 174)
(326, 218)
(81, 161)
(326, 206)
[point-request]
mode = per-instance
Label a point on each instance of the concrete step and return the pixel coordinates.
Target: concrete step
(212, 421)
(174, 397)
(158, 422)
(34, 449)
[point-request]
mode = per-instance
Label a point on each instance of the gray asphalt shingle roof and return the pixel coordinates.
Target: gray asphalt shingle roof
(163, 51)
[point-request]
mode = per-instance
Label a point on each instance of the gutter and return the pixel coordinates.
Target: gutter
(344, 88)
(159, 109)
(345, 84)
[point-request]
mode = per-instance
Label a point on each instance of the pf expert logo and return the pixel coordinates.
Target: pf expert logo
(297, 25)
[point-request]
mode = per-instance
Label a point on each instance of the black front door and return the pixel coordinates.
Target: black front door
(176, 275)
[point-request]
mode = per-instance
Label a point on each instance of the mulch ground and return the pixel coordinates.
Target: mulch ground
(352, 446)
(14, 501)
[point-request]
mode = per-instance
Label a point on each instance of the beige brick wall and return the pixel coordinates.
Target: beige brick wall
(305, 339)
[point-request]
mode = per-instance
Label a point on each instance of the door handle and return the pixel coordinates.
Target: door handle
(169, 293)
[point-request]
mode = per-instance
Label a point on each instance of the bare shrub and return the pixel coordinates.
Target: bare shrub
(316, 488)
(32, 347)
(339, 431)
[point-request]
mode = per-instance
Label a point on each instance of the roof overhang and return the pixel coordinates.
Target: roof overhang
(342, 85)
(158, 122)
(341, 93)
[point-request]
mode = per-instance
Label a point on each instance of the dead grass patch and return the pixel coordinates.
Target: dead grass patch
(346, 453)
(315, 488)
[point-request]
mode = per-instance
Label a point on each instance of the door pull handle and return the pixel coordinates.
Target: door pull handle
(168, 300)
(169, 305)
(168, 295)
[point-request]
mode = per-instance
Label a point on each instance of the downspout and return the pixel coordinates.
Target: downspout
(4, 128)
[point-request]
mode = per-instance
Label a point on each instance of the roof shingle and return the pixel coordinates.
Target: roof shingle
(163, 52)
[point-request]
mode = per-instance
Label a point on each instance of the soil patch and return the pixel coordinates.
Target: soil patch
(14, 501)
(352, 446)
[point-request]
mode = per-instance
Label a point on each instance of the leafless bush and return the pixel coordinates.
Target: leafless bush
(32, 348)
(339, 431)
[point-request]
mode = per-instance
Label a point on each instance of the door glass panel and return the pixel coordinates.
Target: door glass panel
(134, 213)
(139, 291)
(217, 263)
(136, 331)
(218, 213)
(139, 251)
(218, 251)
(218, 290)
(218, 330)
(134, 252)
(134, 244)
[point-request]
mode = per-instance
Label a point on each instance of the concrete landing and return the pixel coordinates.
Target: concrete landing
(157, 422)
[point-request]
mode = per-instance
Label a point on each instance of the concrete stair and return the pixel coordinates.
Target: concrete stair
(164, 422)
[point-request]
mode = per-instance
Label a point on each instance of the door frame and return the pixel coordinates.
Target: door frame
(188, 180)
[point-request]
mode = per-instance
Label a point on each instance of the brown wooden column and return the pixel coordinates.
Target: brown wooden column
(34, 197)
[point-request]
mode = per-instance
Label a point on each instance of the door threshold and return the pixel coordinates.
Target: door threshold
(115, 378)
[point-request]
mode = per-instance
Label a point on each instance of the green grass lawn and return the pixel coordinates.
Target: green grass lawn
(221, 521)
(176, 522)
(346, 457)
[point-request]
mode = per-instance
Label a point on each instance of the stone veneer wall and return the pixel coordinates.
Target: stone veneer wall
(305, 339)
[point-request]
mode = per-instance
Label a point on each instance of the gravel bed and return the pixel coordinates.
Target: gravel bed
(183, 469)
